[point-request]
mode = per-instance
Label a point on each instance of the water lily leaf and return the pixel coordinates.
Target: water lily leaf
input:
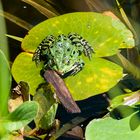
(98, 76)
(109, 128)
(23, 69)
(105, 34)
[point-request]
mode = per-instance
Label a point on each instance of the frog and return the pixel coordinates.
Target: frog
(63, 53)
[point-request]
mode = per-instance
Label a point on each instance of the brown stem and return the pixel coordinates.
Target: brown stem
(62, 91)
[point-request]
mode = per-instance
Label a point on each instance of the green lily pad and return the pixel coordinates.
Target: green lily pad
(109, 128)
(98, 76)
(23, 69)
(104, 33)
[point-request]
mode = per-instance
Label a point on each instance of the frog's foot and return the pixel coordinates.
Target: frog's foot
(88, 50)
(47, 42)
(77, 68)
(82, 44)
(43, 49)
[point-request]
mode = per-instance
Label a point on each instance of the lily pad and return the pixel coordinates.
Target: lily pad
(108, 129)
(98, 76)
(23, 69)
(104, 33)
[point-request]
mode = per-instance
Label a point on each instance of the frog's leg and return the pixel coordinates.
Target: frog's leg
(78, 66)
(43, 49)
(88, 50)
(82, 44)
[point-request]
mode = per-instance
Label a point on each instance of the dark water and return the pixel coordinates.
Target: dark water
(25, 12)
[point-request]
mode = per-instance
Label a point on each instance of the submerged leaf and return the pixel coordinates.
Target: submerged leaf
(122, 111)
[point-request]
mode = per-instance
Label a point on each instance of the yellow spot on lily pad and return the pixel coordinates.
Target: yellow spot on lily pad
(89, 79)
(57, 21)
(55, 24)
(115, 41)
(96, 32)
(108, 71)
(79, 83)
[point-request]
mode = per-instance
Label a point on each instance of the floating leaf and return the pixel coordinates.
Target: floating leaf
(104, 33)
(108, 129)
(98, 76)
(24, 69)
